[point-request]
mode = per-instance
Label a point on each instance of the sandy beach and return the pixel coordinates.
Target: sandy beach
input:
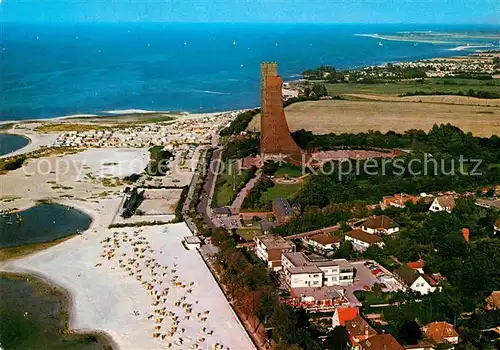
(174, 303)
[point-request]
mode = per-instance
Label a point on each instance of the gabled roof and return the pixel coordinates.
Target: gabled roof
(407, 274)
(363, 236)
(446, 201)
(325, 238)
(439, 331)
(381, 342)
(494, 299)
(380, 222)
(347, 314)
(415, 265)
(359, 327)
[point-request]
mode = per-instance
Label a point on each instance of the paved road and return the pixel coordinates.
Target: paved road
(208, 189)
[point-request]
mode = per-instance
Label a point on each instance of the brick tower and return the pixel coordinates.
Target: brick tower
(275, 138)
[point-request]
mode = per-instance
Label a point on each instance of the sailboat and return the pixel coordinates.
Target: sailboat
(380, 43)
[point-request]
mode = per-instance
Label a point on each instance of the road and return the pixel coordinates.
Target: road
(203, 207)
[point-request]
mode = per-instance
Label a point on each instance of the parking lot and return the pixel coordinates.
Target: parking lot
(365, 278)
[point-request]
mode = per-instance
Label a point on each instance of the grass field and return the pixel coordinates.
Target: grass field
(325, 116)
(401, 87)
(248, 234)
(289, 170)
(224, 188)
(281, 191)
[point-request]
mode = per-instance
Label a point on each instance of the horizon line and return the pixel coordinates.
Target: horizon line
(247, 22)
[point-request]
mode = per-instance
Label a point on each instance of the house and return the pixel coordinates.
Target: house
(266, 226)
(380, 225)
(489, 203)
(323, 242)
(381, 342)
(192, 242)
(282, 210)
(496, 227)
(440, 332)
(417, 265)
(361, 240)
(222, 212)
(443, 203)
(313, 270)
(493, 301)
(414, 280)
(359, 330)
(398, 200)
(270, 248)
(344, 314)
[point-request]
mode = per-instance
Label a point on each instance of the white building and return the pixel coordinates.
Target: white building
(380, 225)
(315, 271)
(412, 279)
(362, 240)
(192, 242)
(443, 203)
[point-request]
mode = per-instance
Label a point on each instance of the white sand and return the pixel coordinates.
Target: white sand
(106, 298)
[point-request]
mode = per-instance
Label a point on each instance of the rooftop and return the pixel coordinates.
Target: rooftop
(359, 327)
(299, 259)
(439, 331)
(347, 314)
(407, 274)
(319, 293)
(415, 265)
(363, 236)
(274, 242)
(446, 201)
(494, 299)
(192, 240)
(325, 238)
(381, 342)
(380, 222)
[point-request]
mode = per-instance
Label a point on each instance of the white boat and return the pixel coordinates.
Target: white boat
(380, 44)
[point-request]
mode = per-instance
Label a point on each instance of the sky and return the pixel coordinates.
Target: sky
(308, 11)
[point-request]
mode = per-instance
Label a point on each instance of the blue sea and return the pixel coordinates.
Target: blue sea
(50, 70)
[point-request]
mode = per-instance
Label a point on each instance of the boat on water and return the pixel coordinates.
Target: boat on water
(380, 43)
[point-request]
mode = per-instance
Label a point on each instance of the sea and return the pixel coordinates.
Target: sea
(51, 70)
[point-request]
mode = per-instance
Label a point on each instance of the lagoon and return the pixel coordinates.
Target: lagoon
(42, 223)
(10, 143)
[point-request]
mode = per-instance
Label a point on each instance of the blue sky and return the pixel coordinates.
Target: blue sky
(336, 11)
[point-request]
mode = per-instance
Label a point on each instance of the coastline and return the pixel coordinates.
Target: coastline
(67, 309)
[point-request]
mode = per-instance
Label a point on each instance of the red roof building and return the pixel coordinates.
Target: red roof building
(344, 314)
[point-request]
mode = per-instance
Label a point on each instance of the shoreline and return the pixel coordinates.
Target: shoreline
(67, 309)
(115, 115)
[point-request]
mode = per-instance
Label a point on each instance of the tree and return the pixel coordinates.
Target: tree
(337, 339)
(319, 90)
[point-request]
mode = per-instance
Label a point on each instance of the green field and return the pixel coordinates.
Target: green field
(224, 193)
(289, 170)
(448, 85)
(281, 191)
(248, 233)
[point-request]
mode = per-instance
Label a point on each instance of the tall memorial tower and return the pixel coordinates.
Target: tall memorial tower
(275, 137)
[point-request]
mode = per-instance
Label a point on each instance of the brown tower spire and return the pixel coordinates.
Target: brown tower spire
(275, 138)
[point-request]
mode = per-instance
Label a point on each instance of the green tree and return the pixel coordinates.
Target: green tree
(337, 339)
